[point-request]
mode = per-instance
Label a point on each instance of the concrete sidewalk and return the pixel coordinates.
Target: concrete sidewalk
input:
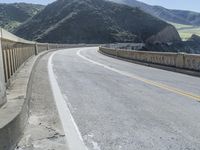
(44, 130)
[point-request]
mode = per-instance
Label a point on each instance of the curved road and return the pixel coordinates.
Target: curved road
(119, 105)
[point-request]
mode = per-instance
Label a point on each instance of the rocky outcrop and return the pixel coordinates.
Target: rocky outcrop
(194, 38)
(168, 34)
(190, 46)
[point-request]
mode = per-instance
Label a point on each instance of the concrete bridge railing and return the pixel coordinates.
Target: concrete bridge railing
(14, 51)
(15, 83)
(177, 60)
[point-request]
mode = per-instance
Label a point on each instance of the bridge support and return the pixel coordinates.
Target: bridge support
(2, 78)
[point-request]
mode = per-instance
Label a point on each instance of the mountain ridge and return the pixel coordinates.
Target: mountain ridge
(176, 16)
(91, 21)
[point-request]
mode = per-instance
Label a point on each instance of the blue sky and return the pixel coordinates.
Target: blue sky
(193, 5)
(44, 2)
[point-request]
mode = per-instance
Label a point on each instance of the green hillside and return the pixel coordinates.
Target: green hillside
(91, 21)
(13, 15)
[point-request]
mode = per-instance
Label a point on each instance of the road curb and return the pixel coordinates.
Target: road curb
(14, 114)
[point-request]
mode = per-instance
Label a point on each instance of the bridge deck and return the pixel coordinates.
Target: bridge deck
(121, 105)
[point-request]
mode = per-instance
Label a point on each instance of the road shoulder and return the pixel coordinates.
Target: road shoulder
(44, 130)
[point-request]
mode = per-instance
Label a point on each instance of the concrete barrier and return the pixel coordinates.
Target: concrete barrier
(176, 60)
(14, 53)
(192, 62)
(14, 113)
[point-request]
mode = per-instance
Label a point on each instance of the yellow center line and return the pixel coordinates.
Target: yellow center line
(168, 88)
(147, 81)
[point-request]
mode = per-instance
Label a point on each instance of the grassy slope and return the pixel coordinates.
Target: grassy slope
(186, 31)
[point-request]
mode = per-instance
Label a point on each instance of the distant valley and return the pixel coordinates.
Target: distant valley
(186, 31)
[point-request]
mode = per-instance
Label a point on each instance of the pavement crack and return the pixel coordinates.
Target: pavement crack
(56, 134)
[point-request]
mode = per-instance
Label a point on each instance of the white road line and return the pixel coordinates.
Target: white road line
(72, 133)
(105, 66)
(147, 81)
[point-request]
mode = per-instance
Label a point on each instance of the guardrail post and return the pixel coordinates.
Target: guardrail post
(180, 60)
(36, 49)
(2, 78)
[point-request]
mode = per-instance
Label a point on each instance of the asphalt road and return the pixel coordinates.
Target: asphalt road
(119, 105)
